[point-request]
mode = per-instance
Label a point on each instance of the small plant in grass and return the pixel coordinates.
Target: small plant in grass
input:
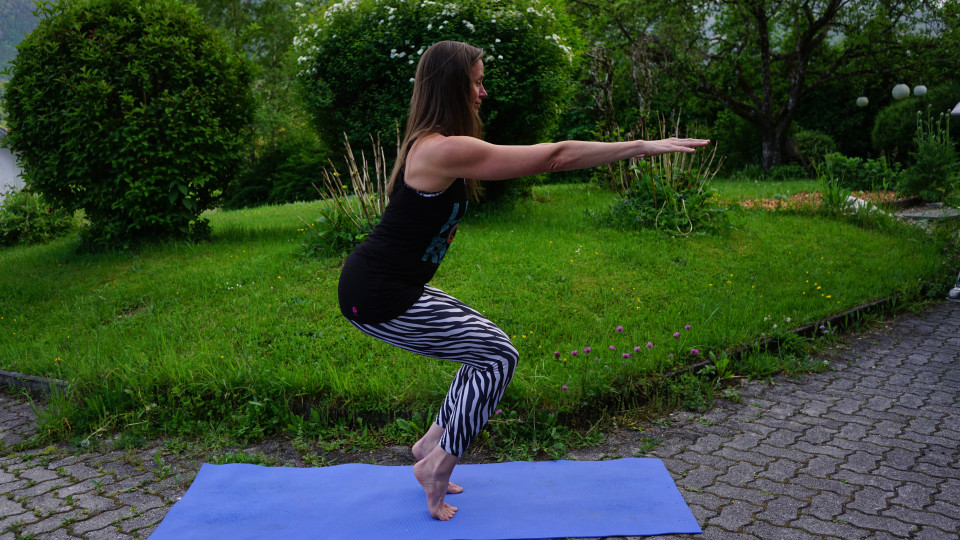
(861, 174)
(836, 198)
(521, 439)
(26, 218)
(933, 175)
(666, 192)
(351, 214)
(243, 457)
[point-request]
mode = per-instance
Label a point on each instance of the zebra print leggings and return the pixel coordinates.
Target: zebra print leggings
(440, 326)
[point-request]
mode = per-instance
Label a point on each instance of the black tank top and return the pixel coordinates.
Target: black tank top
(385, 275)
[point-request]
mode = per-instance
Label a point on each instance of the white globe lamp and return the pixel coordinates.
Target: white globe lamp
(955, 111)
(900, 91)
(862, 101)
(920, 90)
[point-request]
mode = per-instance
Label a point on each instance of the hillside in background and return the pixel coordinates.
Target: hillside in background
(16, 21)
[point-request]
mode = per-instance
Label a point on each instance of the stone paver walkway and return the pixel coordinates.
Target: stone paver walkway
(865, 449)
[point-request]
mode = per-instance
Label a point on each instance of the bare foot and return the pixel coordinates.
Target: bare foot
(433, 473)
(422, 448)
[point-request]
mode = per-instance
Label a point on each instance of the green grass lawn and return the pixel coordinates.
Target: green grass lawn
(752, 189)
(243, 333)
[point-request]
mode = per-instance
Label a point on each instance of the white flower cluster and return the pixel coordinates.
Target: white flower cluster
(437, 15)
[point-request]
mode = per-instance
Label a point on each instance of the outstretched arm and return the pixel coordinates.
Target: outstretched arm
(468, 157)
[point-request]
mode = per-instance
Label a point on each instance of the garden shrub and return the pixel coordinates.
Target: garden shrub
(358, 58)
(134, 112)
(814, 145)
(861, 174)
(894, 128)
(25, 218)
(282, 171)
(673, 199)
(933, 174)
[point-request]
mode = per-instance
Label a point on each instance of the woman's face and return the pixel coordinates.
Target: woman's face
(477, 92)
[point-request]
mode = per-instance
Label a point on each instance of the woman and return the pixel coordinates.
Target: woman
(383, 286)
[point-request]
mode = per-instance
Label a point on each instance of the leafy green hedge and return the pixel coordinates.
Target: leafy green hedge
(25, 218)
(133, 111)
(358, 58)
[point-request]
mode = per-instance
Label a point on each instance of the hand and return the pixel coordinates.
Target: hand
(673, 144)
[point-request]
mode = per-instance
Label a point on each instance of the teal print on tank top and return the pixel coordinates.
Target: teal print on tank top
(438, 246)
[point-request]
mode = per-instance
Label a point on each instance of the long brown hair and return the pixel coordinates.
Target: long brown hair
(441, 100)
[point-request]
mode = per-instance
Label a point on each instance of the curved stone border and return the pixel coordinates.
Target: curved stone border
(840, 321)
(39, 385)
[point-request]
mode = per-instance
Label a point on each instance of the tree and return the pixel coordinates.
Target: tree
(760, 58)
(134, 113)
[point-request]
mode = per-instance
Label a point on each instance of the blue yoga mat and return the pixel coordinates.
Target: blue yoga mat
(553, 499)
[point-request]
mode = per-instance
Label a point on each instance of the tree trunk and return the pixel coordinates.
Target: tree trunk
(772, 155)
(775, 145)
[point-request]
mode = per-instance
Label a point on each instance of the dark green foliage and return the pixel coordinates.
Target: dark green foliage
(738, 142)
(134, 112)
(358, 60)
(680, 204)
(933, 174)
(335, 236)
(281, 172)
(813, 145)
(25, 218)
(895, 125)
(861, 174)
(893, 129)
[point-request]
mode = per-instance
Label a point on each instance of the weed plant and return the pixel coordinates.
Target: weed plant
(241, 337)
(350, 215)
(666, 192)
(933, 175)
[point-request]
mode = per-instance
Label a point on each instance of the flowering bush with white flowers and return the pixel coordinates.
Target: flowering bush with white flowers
(357, 59)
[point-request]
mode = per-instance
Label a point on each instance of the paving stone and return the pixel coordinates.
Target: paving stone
(861, 462)
(822, 467)
(735, 515)
(152, 518)
(141, 501)
(101, 520)
(829, 528)
(93, 502)
(733, 456)
(769, 531)
(930, 533)
(946, 509)
(38, 474)
(826, 505)
(781, 510)
(914, 496)
(870, 500)
(51, 523)
(783, 488)
(838, 487)
(740, 474)
(81, 471)
(727, 491)
(46, 503)
(920, 517)
(9, 507)
(699, 478)
(872, 480)
(108, 533)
